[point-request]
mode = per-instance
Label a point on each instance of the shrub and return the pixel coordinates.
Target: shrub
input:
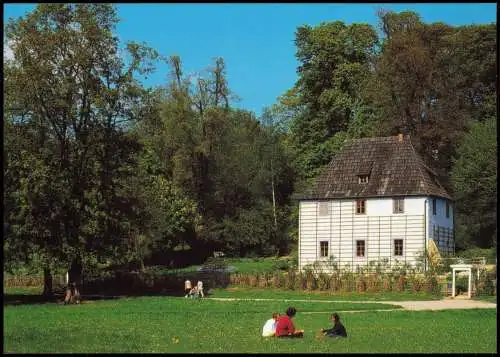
(461, 284)
(290, 280)
(387, 285)
(372, 284)
(486, 284)
(432, 285)
(253, 280)
(401, 283)
(282, 265)
(323, 281)
(334, 283)
(310, 279)
(360, 285)
(489, 254)
(417, 284)
(276, 280)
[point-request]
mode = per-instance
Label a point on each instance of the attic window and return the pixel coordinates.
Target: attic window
(363, 179)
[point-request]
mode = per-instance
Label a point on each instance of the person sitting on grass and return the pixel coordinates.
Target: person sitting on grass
(338, 330)
(269, 328)
(285, 327)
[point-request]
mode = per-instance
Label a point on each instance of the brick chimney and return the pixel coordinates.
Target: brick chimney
(400, 137)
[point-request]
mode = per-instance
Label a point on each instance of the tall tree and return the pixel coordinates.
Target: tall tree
(69, 85)
(335, 61)
(474, 178)
(431, 79)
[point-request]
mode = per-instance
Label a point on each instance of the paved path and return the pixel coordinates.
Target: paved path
(444, 304)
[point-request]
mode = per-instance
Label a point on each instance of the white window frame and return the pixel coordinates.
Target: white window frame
(362, 205)
(363, 179)
(321, 248)
(402, 247)
(364, 249)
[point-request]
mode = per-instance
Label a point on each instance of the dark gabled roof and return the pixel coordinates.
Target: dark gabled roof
(393, 167)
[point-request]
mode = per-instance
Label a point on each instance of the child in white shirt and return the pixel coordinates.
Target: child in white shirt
(270, 326)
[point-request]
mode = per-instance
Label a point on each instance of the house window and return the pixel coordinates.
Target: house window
(360, 248)
(398, 205)
(323, 247)
(398, 247)
(434, 206)
(360, 206)
(363, 179)
(447, 209)
(323, 208)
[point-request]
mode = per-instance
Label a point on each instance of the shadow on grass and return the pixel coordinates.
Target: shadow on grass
(21, 299)
(30, 299)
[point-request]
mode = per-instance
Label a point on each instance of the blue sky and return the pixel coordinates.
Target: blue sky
(255, 40)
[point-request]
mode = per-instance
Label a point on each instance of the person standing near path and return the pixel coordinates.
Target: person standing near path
(285, 327)
(200, 288)
(187, 287)
(338, 330)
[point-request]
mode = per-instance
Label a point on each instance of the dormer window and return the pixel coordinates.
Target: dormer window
(363, 179)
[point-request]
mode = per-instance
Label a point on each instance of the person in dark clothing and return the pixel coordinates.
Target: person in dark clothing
(285, 327)
(338, 330)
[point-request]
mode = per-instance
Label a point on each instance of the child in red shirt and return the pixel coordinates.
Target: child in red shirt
(285, 327)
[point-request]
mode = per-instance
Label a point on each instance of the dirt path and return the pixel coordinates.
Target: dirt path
(444, 304)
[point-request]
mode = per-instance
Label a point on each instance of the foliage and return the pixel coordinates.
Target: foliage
(69, 98)
(489, 253)
(334, 65)
(474, 179)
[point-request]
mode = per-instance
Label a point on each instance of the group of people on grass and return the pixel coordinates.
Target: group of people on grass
(193, 292)
(282, 326)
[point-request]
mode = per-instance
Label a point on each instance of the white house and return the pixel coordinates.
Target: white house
(376, 200)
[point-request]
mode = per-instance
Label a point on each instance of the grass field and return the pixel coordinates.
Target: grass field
(168, 324)
(255, 293)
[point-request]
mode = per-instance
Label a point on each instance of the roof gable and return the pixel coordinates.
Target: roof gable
(393, 167)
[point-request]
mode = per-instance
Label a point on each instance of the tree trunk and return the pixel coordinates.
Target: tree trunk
(47, 283)
(75, 273)
(274, 205)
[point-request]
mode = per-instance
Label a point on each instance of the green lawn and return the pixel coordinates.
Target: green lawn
(23, 291)
(167, 324)
(256, 293)
(486, 298)
(253, 265)
(241, 265)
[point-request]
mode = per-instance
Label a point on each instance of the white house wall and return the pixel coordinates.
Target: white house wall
(378, 227)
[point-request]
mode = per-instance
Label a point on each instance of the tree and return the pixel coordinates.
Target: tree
(474, 178)
(430, 81)
(335, 61)
(70, 88)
